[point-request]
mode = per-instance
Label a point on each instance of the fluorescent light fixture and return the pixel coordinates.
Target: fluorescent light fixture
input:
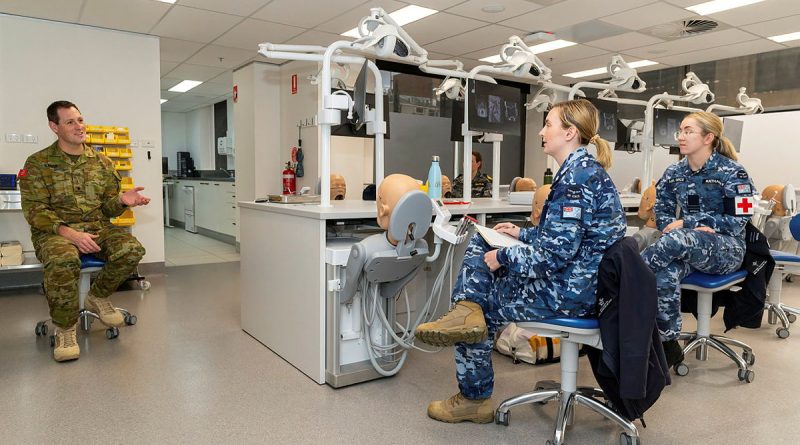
(185, 86)
(720, 5)
(604, 70)
(536, 49)
(164, 100)
(402, 16)
(167, 1)
(785, 37)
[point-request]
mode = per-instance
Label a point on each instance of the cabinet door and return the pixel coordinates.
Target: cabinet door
(203, 205)
(176, 200)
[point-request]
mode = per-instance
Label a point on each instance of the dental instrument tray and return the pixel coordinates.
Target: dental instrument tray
(294, 199)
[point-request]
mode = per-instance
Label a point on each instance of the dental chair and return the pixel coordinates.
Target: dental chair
(785, 264)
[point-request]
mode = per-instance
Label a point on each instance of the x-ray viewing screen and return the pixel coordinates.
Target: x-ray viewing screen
(607, 115)
(495, 108)
(665, 124)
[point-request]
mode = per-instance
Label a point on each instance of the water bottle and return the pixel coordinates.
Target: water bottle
(548, 177)
(435, 179)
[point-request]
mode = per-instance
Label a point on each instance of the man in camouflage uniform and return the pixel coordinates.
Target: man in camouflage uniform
(553, 274)
(714, 204)
(69, 193)
(481, 184)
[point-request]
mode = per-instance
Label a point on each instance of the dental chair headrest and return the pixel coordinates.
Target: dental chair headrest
(413, 209)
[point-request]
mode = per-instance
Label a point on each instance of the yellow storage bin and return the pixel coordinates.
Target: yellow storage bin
(124, 220)
(126, 184)
(112, 152)
(122, 165)
(124, 152)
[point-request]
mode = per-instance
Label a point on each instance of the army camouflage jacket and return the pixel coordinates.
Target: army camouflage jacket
(59, 191)
(719, 196)
(481, 186)
(580, 220)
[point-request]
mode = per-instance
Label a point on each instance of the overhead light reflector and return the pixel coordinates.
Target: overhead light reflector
(164, 100)
(402, 16)
(785, 37)
(536, 49)
(168, 1)
(185, 86)
(720, 5)
(604, 70)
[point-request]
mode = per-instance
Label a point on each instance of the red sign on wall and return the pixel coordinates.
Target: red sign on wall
(236, 93)
(294, 83)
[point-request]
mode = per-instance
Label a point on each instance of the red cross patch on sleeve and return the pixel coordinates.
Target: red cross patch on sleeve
(744, 205)
(22, 173)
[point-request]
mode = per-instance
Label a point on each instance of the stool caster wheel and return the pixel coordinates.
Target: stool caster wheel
(501, 418)
(791, 317)
(52, 341)
(681, 369)
(782, 332)
(747, 376)
(788, 278)
(144, 284)
(112, 333)
(626, 439)
(750, 358)
(130, 320)
(41, 329)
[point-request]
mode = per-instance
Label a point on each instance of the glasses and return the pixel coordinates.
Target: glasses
(685, 133)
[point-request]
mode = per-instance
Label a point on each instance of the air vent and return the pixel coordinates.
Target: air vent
(683, 28)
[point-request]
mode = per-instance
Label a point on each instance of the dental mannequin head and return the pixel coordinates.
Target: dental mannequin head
(338, 187)
(538, 203)
(775, 194)
(647, 204)
(447, 187)
(525, 185)
(392, 188)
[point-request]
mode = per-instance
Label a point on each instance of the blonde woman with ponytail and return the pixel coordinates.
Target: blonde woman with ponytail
(703, 203)
(554, 273)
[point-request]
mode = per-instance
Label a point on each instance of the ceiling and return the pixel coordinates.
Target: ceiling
(205, 39)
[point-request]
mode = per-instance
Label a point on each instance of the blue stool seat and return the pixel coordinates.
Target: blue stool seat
(710, 281)
(784, 257)
(576, 323)
(89, 260)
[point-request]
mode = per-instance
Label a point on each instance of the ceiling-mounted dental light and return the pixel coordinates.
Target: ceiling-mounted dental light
(451, 87)
(381, 32)
(698, 91)
(623, 76)
(521, 61)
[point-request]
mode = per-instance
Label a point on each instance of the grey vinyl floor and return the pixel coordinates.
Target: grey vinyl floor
(187, 373)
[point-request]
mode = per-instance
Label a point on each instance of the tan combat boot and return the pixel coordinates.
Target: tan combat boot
(464, 323)
(460, 409)
(66, 347)
(108, 314)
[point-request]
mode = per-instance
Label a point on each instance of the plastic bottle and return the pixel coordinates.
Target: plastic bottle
(548, 177)
(435, 179)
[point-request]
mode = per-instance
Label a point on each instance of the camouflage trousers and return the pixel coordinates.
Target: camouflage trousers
(504, 298)
(62, 268)
(677, 254)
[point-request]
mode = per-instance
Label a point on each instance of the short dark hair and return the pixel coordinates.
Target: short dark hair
(52, 110)
(478, 157)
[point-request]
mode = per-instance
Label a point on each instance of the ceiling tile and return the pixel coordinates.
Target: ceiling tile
(209, 90)
(61, 10)
(562, 55)
(771, 28)
(759, 12)
(237, 7)
(167, 66)
(649, 15)
(588, 31)
(231, 57)
(625, 41)
(723, 52)
(194, 24)
(482, 38)
(186, 71)
(349, 20)
(685, 3)
(513, 8)
(166, 94)
(139, 16)
(305, 14)
(169, 82)
(248, 34)
(696, 43)
(225, 78)
(440, 26)
(439, 5)
(313, 37)
(174, 50)
(570, 12)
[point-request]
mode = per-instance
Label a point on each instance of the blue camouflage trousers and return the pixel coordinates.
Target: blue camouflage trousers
(504, 298)
(677, 254)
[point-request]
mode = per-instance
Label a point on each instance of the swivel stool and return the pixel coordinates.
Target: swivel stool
(706, 285)
(89, 265)
(572, 333)
(785, 264)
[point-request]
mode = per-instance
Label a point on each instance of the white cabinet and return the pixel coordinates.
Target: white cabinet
(215, 206)
(176, 200)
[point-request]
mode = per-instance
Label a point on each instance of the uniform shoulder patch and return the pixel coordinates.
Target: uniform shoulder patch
(712, 181)
(571, 211)
(573, 192)
(744, 189)
(741, 174)
(22, 173)
(743, 205)
(676, 180)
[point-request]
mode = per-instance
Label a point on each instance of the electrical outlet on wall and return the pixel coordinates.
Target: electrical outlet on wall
(134, 143)
(13, 138)
(148, 143)
(30, 138)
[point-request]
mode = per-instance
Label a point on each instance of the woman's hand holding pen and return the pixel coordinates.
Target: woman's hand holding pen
(508, 228)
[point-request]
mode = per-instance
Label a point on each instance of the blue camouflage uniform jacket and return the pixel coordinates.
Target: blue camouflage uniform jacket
(581, 218)
(719, 196)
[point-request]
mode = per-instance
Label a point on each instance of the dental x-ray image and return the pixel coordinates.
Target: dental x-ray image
(495, 108)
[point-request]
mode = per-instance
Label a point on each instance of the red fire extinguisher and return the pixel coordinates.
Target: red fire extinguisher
(289, 180)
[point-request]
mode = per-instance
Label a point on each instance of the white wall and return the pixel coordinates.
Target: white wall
(200, 137)
(769, 148)
(173, 136)
(42, 61)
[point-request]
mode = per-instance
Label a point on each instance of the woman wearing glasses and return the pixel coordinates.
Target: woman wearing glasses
(702, 205)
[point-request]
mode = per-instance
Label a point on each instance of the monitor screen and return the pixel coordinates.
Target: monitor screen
(164, 165)
(665, 124)
(360, 97)
(456, 121)
(348, 127)
(607, 116)
(495, 108)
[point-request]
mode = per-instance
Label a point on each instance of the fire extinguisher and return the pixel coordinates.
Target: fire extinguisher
(289, 180)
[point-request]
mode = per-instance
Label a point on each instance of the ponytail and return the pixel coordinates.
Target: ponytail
(726, 148)
(603, 152)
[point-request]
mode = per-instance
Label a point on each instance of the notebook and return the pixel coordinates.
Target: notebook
(497, 239)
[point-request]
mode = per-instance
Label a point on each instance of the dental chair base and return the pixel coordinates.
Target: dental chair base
(785, 264)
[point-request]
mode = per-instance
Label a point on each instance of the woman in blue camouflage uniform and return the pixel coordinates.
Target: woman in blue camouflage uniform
(702, 205)
(553, 274)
